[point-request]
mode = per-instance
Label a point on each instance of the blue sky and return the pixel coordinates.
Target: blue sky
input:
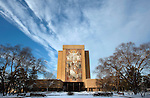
(100, 25)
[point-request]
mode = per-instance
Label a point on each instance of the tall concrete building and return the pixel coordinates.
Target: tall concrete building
(73, 64)
(74, 68)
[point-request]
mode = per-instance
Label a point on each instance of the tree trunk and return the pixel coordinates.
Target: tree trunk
(135, 91)
(8, 86)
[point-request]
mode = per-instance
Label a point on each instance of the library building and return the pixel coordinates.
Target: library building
(73, 71)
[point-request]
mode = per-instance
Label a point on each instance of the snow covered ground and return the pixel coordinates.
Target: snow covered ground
(81, 95)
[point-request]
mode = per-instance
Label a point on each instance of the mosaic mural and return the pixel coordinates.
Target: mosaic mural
(73, 65)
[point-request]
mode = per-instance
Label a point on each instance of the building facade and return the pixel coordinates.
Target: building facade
(74, 68)
(73, 64)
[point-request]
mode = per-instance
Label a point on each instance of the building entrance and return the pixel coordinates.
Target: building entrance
(73, 86)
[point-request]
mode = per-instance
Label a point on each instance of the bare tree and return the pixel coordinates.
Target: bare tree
(4, 63)
(38, 67)
(20, 62)
(106, 83)
(128, 62)
(49, 76)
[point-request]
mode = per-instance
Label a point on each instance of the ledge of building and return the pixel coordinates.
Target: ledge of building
(73, 46)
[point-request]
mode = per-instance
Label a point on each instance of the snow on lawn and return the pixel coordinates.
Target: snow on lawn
(83, 94)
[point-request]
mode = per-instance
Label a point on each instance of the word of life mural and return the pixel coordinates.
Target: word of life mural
(73, 65)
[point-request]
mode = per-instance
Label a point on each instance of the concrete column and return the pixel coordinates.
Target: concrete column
(67, 86)
(83, 66)
(59, 66)
(73, 86)
(79, 86)
(63, 66)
